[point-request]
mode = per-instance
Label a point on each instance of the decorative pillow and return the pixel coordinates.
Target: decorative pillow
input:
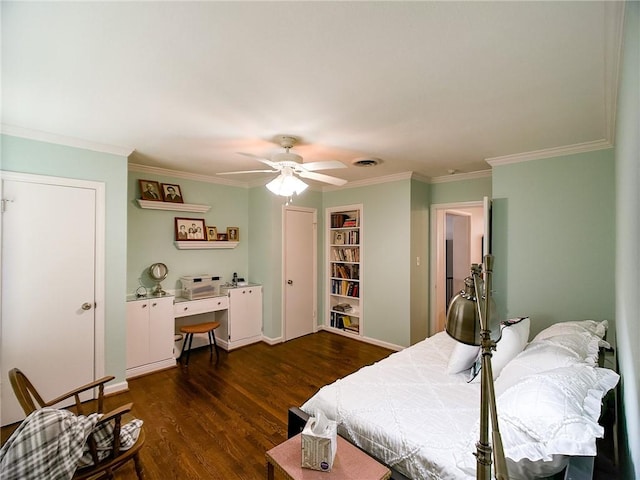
(515, 334)
(103, 435)
(598, 329)
(545, 417)
(462, 357)
(547, 354)
(554, 413)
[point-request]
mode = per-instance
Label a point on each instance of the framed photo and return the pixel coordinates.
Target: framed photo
(190, 229)
(172, 193)
(233, 234)
(338, 238)
(212, 234)
(150, 190)
(222, 237)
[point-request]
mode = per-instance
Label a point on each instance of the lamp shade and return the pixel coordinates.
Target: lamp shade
(463, 322)
(286, 185)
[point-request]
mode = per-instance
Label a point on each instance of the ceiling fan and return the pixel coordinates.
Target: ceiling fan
(289, 164)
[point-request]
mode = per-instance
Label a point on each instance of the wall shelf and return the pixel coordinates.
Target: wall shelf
(176, 207)
(201, 245)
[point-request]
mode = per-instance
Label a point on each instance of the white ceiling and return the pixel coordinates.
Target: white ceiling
(427, 87)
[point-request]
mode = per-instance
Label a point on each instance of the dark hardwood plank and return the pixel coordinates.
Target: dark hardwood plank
(216, 421)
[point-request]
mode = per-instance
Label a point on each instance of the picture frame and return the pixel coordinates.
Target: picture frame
(338, 238)
(233, 234)
(150, 190)
(222, 237)
(189, 229)
(212, 233)
(172, 193)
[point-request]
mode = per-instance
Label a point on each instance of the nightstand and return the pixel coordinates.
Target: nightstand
(350, 463)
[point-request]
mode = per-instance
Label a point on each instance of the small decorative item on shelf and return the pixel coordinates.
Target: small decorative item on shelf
(233, 234)
(171, 193)
(189, 229)
(212, 234)
(150, 190)
(222, 237)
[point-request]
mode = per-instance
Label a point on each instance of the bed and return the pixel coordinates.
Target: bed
(417, 410)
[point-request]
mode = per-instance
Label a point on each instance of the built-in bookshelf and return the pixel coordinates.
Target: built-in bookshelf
(344, 268)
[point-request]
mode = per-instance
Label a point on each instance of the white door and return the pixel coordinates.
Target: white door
(300, 246)
(48, 288)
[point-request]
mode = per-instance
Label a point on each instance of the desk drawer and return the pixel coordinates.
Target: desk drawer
(204, 305)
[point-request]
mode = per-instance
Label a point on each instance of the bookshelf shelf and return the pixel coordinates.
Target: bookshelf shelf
(344, 269)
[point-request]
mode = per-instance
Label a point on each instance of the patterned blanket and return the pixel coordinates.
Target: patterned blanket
(47, 444)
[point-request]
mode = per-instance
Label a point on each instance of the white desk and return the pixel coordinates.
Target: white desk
(190, 312)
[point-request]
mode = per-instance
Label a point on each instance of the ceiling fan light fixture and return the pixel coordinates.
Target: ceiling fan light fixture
(286, 185)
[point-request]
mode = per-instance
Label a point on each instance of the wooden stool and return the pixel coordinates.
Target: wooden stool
(189, 330)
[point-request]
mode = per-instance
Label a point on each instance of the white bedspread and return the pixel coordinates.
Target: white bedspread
(407, 411)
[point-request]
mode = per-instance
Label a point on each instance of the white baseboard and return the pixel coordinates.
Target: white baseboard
(373, 341)
(116, 388)
(150, 367)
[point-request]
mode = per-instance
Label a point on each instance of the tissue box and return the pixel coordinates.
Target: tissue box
(319, 444)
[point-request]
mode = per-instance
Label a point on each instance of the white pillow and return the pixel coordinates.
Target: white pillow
(462, 357)
(554, 413)
(515, 334)
(514, 339)
(103, 435)
(542, 355)
(582, 326)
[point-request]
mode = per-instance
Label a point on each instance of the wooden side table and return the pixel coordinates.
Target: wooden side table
(350, 463)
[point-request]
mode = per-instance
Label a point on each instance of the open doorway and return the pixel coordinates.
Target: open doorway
(457, 234)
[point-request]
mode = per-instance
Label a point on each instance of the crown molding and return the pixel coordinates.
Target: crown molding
(456, 177)
(370, 181)
(550, 153)
(136, 167)
(56, 139)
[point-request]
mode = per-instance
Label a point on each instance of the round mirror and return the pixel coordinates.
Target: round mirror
(158, 271)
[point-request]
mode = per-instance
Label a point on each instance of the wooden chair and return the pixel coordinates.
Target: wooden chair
(30, 400)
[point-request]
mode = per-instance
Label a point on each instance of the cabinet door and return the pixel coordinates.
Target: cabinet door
(245, 313)
(161, 328)
(137, 333)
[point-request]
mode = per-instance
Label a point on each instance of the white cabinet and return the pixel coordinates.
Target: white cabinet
(149, 335)
(244, 321)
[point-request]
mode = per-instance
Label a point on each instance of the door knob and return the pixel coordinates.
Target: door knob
(290, 282)
(86, 306)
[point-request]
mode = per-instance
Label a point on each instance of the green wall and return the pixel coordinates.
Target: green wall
(151, 233)
(265, 250)
(386, 266)
(419, 261)
(628, 240)
(30, 156)
(553, 238)
(471, 190)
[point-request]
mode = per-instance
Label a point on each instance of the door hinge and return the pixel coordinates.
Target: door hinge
(3, 204)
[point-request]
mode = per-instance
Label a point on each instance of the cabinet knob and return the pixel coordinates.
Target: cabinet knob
(186, 308)
(144, 305)
(154, 304)
(86, 306)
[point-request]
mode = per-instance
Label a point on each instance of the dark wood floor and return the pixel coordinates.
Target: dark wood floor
(217, 421)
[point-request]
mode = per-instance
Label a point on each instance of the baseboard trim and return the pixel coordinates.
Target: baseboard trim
(114, 388)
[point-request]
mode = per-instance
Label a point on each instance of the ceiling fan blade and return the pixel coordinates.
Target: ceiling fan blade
(260, 159)
(321, 177)
(247, 171)
(313, 166)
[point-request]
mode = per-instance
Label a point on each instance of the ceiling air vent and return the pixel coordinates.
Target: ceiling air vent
(366, 162)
